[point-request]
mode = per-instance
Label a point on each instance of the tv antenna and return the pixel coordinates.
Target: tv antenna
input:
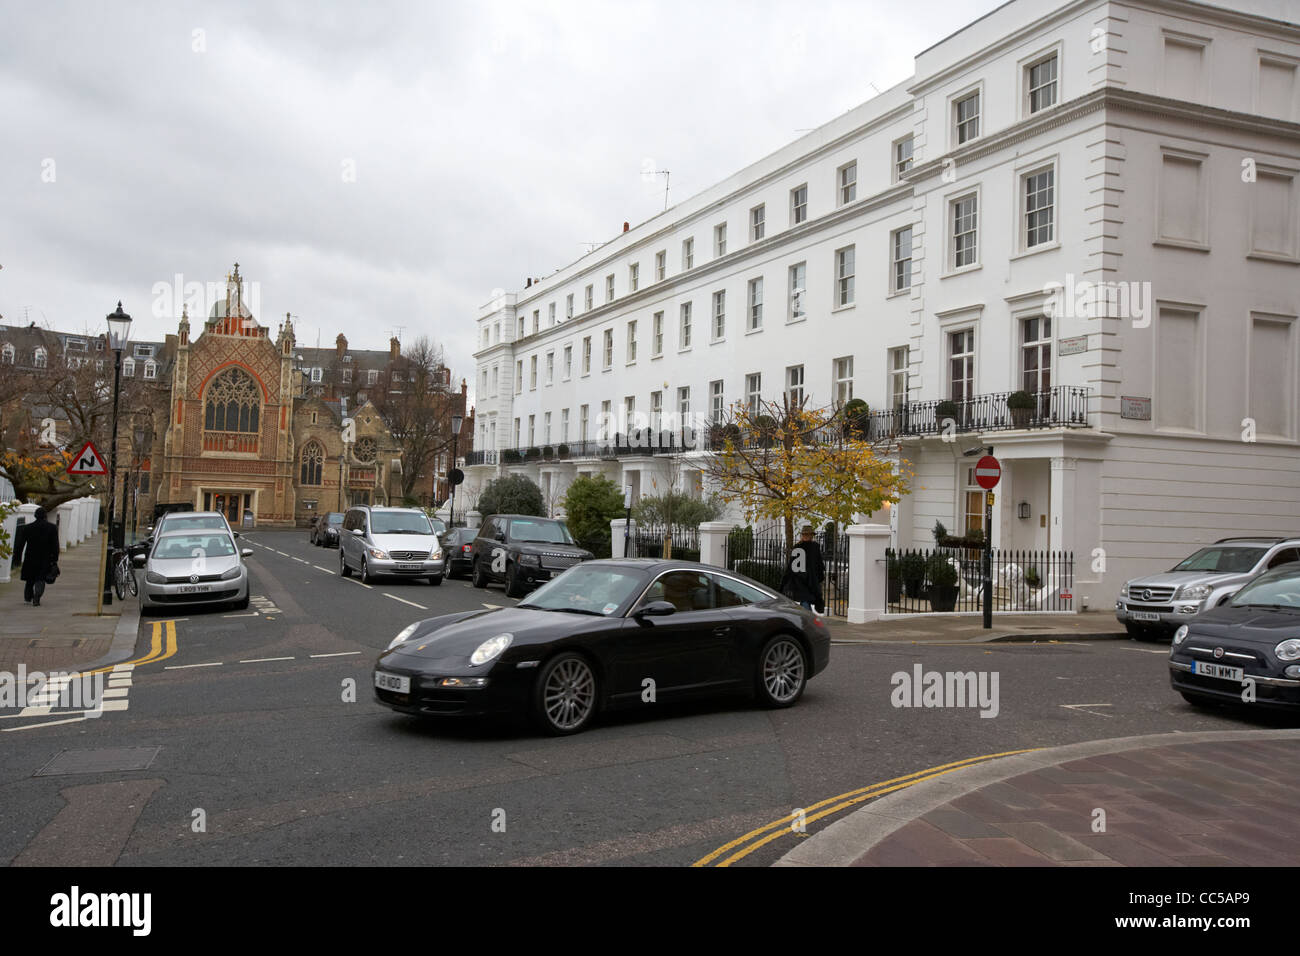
(665, 174)
(397, 332)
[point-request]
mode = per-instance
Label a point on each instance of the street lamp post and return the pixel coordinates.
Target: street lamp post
(451, 476)
(119, 325)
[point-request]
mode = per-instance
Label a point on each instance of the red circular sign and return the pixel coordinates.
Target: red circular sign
(987, 472)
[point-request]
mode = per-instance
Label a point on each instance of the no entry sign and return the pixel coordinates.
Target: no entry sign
(988, 472)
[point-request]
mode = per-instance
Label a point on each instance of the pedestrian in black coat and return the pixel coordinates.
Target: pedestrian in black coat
(805, 572)
(38, 545)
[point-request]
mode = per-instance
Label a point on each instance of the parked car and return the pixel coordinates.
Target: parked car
(591, 639)
(458, 550)
(523, 551)
(397, 541)
(1156, 605)
(187, 520)
(1255, 636)
(325, 529)
(193, 566)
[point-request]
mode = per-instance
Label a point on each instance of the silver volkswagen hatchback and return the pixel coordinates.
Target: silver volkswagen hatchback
(194, 566)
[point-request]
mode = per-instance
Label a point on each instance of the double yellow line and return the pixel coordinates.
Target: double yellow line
(782, 827)
(162, 645)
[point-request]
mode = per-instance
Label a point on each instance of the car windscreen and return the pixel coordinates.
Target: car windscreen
(399, 522)
(541, 532)
(201, 523)
(1276, 590)
(588, 589)
(438, 525)
(1224, 559)
(334, 519)
(193, 546)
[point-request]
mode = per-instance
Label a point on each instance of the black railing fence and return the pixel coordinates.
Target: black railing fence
(951, 579)
(649, 543)
(763, 556)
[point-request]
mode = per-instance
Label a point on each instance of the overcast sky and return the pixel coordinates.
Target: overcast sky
(486, 142)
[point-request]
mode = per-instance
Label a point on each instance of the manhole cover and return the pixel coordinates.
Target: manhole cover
(55, 642)
(99, 761)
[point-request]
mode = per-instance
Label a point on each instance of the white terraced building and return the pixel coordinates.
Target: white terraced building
(945, 235)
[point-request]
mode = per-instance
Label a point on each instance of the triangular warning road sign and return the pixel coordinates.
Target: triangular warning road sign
(88, 461)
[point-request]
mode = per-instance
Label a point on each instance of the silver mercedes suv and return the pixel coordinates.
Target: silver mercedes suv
(396, 541)
(1156, 605)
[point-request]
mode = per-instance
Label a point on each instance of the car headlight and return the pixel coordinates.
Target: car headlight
(530, 559)
(1193, 592)
(435, 554)
(376, 553)
(405, 634)
(1288, 650)
(153, 577)
(1180, 635)
(1123, 590)
(231, 574)
(491, 648)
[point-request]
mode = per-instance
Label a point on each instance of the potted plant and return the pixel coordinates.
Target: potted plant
(911, 568)
(1033, 578)
(895, 575)
(562, 451)
(945, 410)
(1021, 405)
(533, 454)
(548, 452)
(856, 418)
(511, 456)
(944, 583)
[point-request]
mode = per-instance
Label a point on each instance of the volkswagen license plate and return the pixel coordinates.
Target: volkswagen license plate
(193, 588)
(394, 682)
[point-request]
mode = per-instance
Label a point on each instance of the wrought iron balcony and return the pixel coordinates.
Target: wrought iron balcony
(1062, 406)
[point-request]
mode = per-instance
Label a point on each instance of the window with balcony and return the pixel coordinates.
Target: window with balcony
(1036, 354)
(717, 402)
(898, 377)
(961, 365)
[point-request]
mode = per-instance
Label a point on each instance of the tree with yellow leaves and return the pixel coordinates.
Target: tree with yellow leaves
(783, 461)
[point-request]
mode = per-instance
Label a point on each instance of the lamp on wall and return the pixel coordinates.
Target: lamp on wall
(1024, 509)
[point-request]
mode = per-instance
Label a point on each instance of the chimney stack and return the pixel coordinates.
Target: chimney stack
(394, 348)
(341, 343)
(626, 227)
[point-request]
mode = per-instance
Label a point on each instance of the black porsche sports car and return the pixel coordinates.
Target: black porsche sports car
(1247, 651)
(612, 633)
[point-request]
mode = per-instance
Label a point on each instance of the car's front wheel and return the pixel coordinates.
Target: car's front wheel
(343, 564)
(565, 697)
(366, 576)
(782, 672)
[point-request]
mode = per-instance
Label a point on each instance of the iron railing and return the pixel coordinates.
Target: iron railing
(921, 581)
(649, 543)
(763, 556)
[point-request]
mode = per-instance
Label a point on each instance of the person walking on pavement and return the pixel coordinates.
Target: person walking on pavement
(804, 572)
(38, 545)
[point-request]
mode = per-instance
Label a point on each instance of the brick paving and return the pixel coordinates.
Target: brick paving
(1234, 803)
(64, 633)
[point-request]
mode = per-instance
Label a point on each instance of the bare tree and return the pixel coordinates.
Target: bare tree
(416, 403)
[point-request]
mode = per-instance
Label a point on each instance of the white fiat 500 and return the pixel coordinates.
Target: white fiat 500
(194, 567)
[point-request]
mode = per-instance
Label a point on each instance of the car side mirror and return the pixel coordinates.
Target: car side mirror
(247, 553)
(501, 536)
(656, 609)
(139, 560)
(358, 532)
(235, 533)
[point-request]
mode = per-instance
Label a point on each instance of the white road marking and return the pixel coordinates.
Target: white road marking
(354, 581)
(326, 570)
(301, 560)
(1145, 650)
(405, 601)
(1084, 707)
(48, 723)
(249, 614)
(339, 654)
(38, 711)
(264, 660)
(181, 667)
(492, 607)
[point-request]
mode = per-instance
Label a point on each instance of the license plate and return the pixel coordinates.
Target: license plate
(410, 567)
(194, 588)
(394, 682)
(1205, 669)
(1144, 616)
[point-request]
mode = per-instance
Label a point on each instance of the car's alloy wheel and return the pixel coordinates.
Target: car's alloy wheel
(478, 576)
(566, 694)
(365, 572)
(782, 672)
(343, 565)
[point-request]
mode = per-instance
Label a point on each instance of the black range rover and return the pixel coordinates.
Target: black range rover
(523, 551)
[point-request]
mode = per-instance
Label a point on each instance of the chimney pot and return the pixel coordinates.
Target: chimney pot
(626, 227)
(528, 283)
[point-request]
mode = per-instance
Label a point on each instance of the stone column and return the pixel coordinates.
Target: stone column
(618, 527)
(713, 542)
(868, 587)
